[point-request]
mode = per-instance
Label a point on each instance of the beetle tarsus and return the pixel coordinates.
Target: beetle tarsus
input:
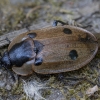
(27, 27)
(55, 22)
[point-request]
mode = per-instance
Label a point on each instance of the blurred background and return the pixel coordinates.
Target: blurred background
(19, 14)
(15, 14)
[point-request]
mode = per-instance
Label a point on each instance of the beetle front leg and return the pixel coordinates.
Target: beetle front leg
(27, 26)
(68, 22)
(55, 22)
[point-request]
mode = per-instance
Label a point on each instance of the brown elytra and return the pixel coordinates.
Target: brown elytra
(63, 48)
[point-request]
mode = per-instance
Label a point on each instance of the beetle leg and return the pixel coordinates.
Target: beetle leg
(27, 27)
(7, 40)
(68, 22)
(55, 22)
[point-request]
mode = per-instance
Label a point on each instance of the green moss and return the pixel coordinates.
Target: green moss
(23, 98)
(46, 93)
(17, 89)
(56, 4)
(2, 91)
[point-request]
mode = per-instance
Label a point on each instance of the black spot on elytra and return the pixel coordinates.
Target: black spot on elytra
(73, 54)
(32, 35)
(38, 46)
(67, 31)
(38, 61)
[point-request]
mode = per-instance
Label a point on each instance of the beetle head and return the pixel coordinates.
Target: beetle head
(5, 60)
(5, 63)
(1, 63)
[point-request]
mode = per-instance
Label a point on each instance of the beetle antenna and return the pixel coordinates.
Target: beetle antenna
(12, 75)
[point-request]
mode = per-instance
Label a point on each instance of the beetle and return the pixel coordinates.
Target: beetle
(50, 50)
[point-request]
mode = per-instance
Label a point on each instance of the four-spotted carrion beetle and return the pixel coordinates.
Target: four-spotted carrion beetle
(50, 50)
